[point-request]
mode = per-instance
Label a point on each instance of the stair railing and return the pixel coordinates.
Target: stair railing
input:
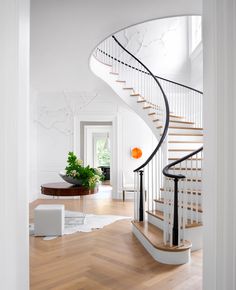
(148, 179)
(182, 195)
(144, 85)
(183, 100)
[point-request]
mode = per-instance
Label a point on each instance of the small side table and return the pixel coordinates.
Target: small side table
(64, 189)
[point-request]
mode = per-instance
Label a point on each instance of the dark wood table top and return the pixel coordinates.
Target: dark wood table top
(66, 189)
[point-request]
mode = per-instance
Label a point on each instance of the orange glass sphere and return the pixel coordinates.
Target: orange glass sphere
(136, 153)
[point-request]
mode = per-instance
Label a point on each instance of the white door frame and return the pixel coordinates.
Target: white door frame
(115, 146)
(89, 131)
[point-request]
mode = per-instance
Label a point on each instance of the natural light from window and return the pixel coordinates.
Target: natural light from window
(196, 32)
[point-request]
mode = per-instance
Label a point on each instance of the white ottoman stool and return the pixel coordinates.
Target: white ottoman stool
(49, 220)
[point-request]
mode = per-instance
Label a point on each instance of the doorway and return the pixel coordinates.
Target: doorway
(97, 147)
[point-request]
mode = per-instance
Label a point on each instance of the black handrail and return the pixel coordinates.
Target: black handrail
(144, 72)
(166, 106)
(176, 177)
(179, 176)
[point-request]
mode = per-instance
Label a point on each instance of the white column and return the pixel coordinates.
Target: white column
(14, 92)
(220, 144)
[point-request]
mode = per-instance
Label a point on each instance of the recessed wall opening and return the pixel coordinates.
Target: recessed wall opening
(96, 147)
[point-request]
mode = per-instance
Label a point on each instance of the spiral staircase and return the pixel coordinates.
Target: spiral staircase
(168, 196)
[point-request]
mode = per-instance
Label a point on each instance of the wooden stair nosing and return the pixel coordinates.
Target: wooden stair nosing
(182, 149)
(147, 107)
(159, 214)
(155, 236)
(135, 95)
(175, 116)
(104, 63)
(182, 122)
(184, 128)
(193, 208)
(188, 191)
(193, 159)
(186, 169)
(187, 142)
(188, 179)
(141, 101)
(185, 134)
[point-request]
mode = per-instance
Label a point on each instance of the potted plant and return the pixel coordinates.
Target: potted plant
(77, 174)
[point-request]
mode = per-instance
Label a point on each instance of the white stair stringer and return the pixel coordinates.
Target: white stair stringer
(165, 257)
(103, 72)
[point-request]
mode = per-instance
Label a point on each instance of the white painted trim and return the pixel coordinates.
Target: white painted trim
(115, 148)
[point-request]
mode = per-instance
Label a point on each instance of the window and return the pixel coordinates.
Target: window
(195, 32)
(103, 152)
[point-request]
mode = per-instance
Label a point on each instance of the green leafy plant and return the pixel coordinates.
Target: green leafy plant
(88, 176)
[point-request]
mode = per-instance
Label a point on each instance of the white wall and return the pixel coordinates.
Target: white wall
(14, 147)
(57, 122)
(162, 45)
(63, 35)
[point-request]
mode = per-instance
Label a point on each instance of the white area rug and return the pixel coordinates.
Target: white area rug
(78, 222)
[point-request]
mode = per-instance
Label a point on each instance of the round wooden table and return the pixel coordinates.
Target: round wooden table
(66, 189)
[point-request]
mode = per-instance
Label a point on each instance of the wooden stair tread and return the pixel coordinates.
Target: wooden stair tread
(147, 107)
(183, 128)
(118, 81)
(180, 142)
(182, 122)
(155, 236)
(135, 95)
(159, 214)
(185, 134)
(114, 73)
(175, 116)
(187, 179)
(109, 65)
(127, 88)
(194, 159)
(151, 113)
(186, 168)
(181, 149)
(188, 191)
(189, 207)
(141, 101)
(158, 119)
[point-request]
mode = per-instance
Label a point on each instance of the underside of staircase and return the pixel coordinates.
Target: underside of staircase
(165, 207)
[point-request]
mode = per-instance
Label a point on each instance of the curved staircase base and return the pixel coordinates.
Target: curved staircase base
(164, 257)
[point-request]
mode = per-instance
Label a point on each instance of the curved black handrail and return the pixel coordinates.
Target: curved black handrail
(177, 177)
(168, 167)
(166, 107)
(144, 72)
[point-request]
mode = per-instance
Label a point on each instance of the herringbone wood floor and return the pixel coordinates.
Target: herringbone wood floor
(110, 258)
